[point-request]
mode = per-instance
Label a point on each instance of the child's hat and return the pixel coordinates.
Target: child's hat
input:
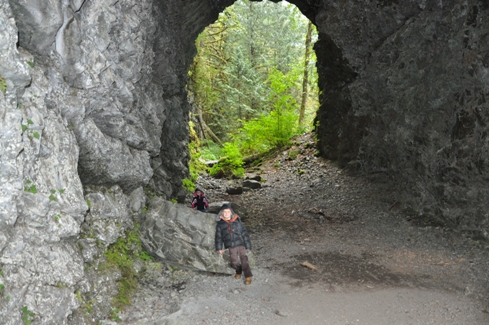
(226, 206)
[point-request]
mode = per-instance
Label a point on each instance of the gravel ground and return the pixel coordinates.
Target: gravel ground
(373, 266)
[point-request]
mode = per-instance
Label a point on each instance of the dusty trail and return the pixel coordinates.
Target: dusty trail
(373, 266)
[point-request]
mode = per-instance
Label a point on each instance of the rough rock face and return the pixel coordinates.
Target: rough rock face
(404, 92)
(94, 109)
(95, 102)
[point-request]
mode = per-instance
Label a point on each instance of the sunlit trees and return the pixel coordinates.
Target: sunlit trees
(254, 76)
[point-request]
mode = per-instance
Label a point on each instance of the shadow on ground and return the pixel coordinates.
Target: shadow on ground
(334, 269)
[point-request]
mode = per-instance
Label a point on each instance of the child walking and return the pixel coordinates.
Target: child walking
(199, 201)
(231, 232)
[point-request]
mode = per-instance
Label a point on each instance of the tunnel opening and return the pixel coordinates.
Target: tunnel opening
(252, 85)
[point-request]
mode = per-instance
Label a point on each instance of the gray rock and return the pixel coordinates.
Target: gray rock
(234, 190)
(215, 207)
(105, 160)
(403, 108)
(38, 22)
(109, 215)
(253, 177)
(251, 184)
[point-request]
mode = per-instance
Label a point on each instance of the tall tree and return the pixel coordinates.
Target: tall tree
(230, 78)
(305, 79)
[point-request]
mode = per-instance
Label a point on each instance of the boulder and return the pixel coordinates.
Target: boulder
(215, 207)
(253, 177)
(234, 190)
(179, 235)
(249, 183)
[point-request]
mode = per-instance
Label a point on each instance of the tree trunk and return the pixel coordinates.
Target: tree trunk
(201, 123)
(210, 133)
(305, 79)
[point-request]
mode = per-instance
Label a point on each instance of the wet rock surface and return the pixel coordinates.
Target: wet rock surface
(373, 265)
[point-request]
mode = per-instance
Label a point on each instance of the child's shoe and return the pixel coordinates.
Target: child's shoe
(248, 281)
(237, 276)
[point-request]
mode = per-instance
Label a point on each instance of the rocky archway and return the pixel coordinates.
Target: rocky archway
(403, 91)
(93, 107)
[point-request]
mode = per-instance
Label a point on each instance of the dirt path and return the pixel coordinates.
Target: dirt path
(373, 266)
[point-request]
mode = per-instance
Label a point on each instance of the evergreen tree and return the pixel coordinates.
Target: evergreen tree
(252, 74)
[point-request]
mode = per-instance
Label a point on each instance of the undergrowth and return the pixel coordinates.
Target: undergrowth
(123, 254)
(231, 164)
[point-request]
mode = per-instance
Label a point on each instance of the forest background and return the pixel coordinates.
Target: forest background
(252, 85)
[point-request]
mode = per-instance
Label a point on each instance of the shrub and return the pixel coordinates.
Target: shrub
(231, 163)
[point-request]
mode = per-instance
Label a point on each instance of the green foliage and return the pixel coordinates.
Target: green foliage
(232, 162)
(31, 189)
(114, 315)
(36, 135)
(284, 114)
(146, 257)
(31, 64)
(188, 184)
(195, 165)
(89, 203)
(122, 254)
(26, 315)
(30, 122)
(228, 78)
(3, 85)
(174, 200)
(61, 191)
(1, 272)
(57, 218)
(247, 83)
(211, 151)
(52, 197)
(2, 286)
(24, 127)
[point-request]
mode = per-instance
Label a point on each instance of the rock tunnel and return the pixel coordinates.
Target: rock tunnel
(94, 97)
(403, 88)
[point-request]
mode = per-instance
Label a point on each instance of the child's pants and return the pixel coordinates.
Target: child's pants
(238, 254)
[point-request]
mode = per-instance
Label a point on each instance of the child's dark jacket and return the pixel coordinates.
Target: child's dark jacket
(199, 202)
(231, 235)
